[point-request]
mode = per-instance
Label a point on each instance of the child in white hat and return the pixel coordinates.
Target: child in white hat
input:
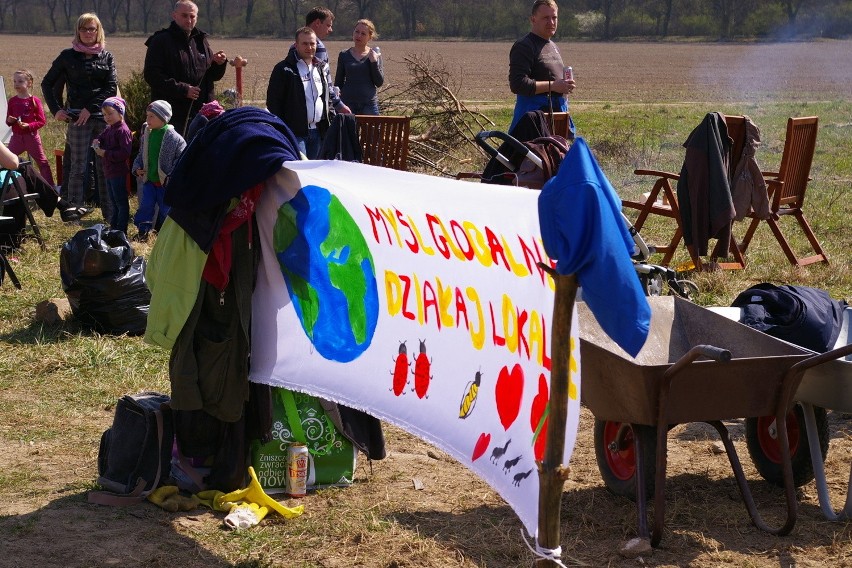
(160, 148)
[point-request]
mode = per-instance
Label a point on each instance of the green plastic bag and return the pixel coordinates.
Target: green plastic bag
(299, 418)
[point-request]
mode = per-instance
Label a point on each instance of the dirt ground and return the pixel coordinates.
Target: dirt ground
(455, 519)
(635, 72)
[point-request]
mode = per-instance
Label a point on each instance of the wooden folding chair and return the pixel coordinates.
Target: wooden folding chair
(787, 188)
(384, 140)
(662, 201)
(561, 124)
(12, 193)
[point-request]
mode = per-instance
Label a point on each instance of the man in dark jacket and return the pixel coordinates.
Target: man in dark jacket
(180, 67)
(298, 93)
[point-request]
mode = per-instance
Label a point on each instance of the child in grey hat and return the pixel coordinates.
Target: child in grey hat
(159, 150)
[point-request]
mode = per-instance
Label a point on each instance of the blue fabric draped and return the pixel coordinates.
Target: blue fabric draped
(582, 228)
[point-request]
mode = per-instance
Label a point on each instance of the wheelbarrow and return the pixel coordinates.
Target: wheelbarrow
(827, 386)
(741, 373)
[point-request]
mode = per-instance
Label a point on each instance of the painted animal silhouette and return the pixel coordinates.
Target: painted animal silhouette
(498, 452)
(510, 464)
(516, 481)
(400, 370)
(422, 370)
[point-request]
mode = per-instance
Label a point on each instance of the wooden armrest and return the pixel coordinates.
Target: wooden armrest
(657, 173)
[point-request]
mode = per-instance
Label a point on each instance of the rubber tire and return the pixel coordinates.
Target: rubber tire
(618, 470)
(690, 289)
(767, 458)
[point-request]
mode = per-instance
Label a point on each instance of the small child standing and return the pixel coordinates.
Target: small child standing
(159, 150)
(113, 145)
(26, 116)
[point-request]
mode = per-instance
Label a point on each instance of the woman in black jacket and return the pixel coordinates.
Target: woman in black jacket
(88, 72)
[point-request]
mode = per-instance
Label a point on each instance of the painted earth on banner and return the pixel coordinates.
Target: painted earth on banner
(418, 300)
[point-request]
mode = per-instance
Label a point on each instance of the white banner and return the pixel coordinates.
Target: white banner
(418, 300)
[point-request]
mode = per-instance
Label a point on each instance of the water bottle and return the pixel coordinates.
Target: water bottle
(377, 50)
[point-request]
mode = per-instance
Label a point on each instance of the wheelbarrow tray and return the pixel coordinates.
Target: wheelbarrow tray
(828, 385)
(618, 387)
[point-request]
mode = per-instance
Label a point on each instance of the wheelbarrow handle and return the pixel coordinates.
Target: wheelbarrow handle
(821, 358)
(715, 353)
(709, 351)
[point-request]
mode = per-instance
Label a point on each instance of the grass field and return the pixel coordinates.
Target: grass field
(635, 105)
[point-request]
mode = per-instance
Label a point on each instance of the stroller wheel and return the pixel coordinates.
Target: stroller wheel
(652, 283)
(686, 289)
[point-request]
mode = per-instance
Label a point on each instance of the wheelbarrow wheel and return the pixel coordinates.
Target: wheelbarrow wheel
(762, 443)
(617, 462)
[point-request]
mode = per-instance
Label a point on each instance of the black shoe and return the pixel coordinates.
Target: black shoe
(70, 215)
(83, 211)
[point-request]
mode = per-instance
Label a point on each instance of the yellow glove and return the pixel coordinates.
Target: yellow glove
(168, 497)
(254, 494)
(212, 498)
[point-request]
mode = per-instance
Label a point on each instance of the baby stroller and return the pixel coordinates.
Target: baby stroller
(530, 164)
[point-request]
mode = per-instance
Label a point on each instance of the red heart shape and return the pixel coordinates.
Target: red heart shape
(508, 393)
(539, 405)
(481, 445)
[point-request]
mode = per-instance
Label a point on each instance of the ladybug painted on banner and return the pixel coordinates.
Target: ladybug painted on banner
(400, 370)
(422, 370)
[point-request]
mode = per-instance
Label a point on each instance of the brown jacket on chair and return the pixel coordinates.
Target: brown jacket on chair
(748, 189)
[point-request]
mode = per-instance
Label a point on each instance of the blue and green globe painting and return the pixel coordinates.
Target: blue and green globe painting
(329, 272)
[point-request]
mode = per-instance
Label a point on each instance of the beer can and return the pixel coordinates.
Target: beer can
(569, 73)
(297, 470)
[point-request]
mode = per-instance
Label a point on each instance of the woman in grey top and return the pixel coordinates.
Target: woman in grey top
(359, 71)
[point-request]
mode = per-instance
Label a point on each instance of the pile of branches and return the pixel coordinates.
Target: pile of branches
(442, 126)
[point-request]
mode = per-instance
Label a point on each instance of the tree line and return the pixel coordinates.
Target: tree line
(457, 19)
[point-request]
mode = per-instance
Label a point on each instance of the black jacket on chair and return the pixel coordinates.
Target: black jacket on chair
(341, 141)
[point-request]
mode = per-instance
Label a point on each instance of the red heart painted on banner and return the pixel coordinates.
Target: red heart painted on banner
(539, 405)
(481, 445)
(508, 392)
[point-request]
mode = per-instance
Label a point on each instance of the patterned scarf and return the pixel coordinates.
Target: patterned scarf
(93, 49)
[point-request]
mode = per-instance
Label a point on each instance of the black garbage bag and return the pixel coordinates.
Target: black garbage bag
(104, 281)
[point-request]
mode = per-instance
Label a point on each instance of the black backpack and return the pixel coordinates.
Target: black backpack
(135, 453)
